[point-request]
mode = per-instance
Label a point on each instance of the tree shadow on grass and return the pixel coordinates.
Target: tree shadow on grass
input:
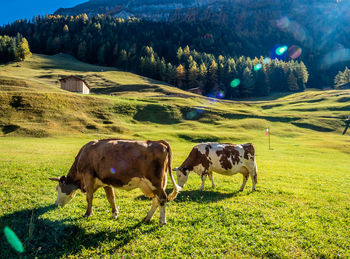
(199, 196)
(46, 238)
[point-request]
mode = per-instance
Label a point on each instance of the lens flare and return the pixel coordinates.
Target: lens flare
(220, 95)
(294, 52)
(267, 60)
(283, 23)
(13, 240)
(337, 56)
(279, 52)
(257, 67)
(235, 82)
(113, 171)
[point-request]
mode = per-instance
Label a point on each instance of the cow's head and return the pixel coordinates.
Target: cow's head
(182, 175)
(65, 192)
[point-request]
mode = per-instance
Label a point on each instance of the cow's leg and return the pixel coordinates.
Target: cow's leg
(204, 177)
(245, 178)
(162, 198)
(212, 179)
(111, 199)
(153, 209)
(254, 176)
(89, 197)
(90, 189)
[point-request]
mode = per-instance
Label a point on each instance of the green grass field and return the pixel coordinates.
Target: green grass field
(301, 207)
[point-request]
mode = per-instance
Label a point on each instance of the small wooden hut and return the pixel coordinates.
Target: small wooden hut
(75, 84)
(196, 90)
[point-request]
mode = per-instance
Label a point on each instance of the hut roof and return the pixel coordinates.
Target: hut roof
(75, 77)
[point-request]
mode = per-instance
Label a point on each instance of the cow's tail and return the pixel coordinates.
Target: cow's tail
(255, 172)
(177, 188)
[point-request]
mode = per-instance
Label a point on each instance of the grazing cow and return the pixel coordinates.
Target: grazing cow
(226, 159)
(123, 164)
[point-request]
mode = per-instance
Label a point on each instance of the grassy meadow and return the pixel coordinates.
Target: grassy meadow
(301, 207)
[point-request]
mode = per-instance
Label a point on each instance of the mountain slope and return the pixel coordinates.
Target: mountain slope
(132, 106)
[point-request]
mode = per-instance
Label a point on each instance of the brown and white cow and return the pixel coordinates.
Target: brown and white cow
(124, 164)
(225, 159)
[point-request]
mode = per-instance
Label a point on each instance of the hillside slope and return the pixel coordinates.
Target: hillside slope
(132, 106)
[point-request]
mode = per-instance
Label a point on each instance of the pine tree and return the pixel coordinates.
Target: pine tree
(23, 50)
(65, 28)
(180, 76)
(179, 54)
(202, 75)
(162, 69)
(171, 73)
(261, 86)
(247, 83)
(187, 52)
(292, 81)
(193, 74)
(342, 78)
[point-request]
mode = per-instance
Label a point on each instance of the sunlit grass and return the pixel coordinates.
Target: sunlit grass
(301, 207)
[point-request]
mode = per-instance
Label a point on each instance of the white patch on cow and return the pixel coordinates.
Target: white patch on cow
(144, 184)
(147, 187)
(215, 159)
(182, 178)
(99, 183)
(132, 184)
(115, 214)
(199, 169)
(162, 216)
(62, 198)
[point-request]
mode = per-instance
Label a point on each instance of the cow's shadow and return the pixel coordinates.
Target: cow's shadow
(200, 196)
(204, 196)
(46, 238)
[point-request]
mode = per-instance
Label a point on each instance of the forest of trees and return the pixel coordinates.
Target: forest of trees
(13, 48)
(183, 54)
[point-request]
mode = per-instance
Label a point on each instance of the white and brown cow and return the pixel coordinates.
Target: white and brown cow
(225, 159)
(123, 164)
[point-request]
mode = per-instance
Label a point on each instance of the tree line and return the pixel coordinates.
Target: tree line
(185, 54)
(13, 48)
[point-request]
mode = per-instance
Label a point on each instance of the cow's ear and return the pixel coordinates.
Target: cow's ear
(54, 179)
(62, 179)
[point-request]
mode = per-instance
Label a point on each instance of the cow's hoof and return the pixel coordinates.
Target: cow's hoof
(115, 215)
(146, 220)
(87, 215)
(162, 223)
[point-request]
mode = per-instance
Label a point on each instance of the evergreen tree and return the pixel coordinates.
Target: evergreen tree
(202, 75)
(342, 78)
(23, 50)
(171, 73)
(292, 81)
(261, 86)
(247, 83)
(65, 28)
(180, 76)
(193, 74)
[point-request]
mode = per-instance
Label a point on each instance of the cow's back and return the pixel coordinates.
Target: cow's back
(116, 161)
(228, 158)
